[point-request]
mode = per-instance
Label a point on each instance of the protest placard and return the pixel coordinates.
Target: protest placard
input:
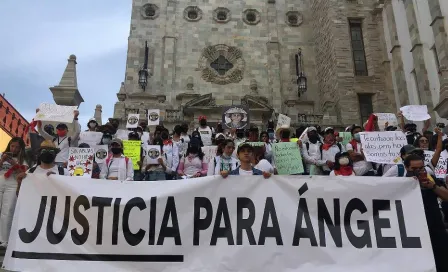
(346, 137)
(288, 159)
(384, 118)
(80, 161)
(153, 153)
(252, 143)
(440, 169)
(415, 112)
(132, 120)
(90, 137)
(242, 223)
(101, 153)
(383, 147)
(132, 150)
(122, 134)
(153, 117)
(209, 152)
(283, 121)
(428, 156)
(55, 113)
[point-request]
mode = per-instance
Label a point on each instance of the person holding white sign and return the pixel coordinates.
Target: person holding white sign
(117, 166)
(354, 148)
(192, 164)
(398, 170)
(311, 152)
(328, 151)
(62, 141)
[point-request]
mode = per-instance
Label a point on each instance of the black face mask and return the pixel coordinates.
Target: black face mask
(313, 138)
(164, 136)
(116, 150)
(47, 157)
(203, 123)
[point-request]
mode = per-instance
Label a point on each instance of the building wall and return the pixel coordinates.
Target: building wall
(4, 140)
(12, 123)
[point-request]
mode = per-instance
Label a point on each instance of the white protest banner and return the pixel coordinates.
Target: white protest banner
(244, 223)
(283, 121)
(55, 113)
(209, 152)
(415, 112)
(132, 120)
(384, 118)
(101, 153)
(80, 161)
(153, 117)
(383, 147)
(153, 153)
(90, 137)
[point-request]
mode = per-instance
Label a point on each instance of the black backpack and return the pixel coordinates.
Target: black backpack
(60, 170)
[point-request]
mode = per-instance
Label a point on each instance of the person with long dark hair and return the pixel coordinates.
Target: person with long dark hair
(343, 165)
(192, 164)
(11, 163)
(224, 161)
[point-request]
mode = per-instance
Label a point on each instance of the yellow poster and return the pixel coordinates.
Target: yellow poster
(132, 149)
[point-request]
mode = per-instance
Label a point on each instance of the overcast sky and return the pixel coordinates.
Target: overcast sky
(36, 39)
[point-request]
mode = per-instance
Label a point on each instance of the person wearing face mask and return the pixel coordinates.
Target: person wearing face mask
(264, 137)
(62, 141)
(399, 170)
(431, 190)
(171, 153)
(343, 165)
(311, 152)
(224, 161)
(328, 151)
(196, 137)
(192, 164)
(205, 131)
(117, 166)
(92, 125)
(354, 149)
(179, 141)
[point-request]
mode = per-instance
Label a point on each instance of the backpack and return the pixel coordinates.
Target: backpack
(60, 170)
(400, 170)
(69, 139)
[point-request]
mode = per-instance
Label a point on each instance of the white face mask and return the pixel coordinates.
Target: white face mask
(344, 161)
(92, 125)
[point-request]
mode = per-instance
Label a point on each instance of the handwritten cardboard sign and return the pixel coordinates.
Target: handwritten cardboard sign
(55, 113)
(132, 150)
(415, 112)
(383, 147)
(288, 159)
(209, 152)
(384, 118)
(283, 121)
(80, 161)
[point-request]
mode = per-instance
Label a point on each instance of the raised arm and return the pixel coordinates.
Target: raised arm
(439, 147)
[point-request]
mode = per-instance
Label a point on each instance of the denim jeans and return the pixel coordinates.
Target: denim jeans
(155, 175)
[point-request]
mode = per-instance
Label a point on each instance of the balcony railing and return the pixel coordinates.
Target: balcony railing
(310, 119)
(173, 116)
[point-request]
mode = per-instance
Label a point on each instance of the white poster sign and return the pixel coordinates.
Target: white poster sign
(55, 113)
(80, 161)
(383, 147)
(101, 153)
(209, 152)
(122, 134)
(283, 121)
(415, 112)
(132, 120)
(440, 170)
(245, 223)
(389, 118)
(153, 153)
(153, 117)
(91, 138)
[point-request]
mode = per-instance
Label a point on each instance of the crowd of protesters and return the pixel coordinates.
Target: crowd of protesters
(182, 157)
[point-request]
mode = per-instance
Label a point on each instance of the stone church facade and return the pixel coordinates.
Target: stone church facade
(206, 55)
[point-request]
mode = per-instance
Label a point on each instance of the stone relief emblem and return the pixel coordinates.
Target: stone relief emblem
(294, 18)
(150, 11)
(192, 14)
(222, 64)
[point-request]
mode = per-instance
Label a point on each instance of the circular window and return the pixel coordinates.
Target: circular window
(294, 18)
(221, 15)
(150, 11)
(251, 16)
(192, 14)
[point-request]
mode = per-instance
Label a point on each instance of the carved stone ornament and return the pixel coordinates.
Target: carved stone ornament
(190, 83)
(294, 18)
(222, 15)
(251, 16)
(222, 64)
(150, 11)
(193, 14)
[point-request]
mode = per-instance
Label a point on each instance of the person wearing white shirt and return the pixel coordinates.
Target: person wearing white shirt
(361, 167)
(224, 161)
(311, 152)
(62, 141)
(205, 131)
(170, 151)
(399, 170)
(117, 166)
(328, 150)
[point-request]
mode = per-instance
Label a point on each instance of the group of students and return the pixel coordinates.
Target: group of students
(182, 158)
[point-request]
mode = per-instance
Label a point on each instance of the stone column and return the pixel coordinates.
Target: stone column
(169, 52)
(273, 49)
(98, 114)
(67, 93)
(417, 53)
(441, 44)
(397, 60)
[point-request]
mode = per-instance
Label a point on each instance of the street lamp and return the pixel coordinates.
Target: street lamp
(300, 73)
(143, 73)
